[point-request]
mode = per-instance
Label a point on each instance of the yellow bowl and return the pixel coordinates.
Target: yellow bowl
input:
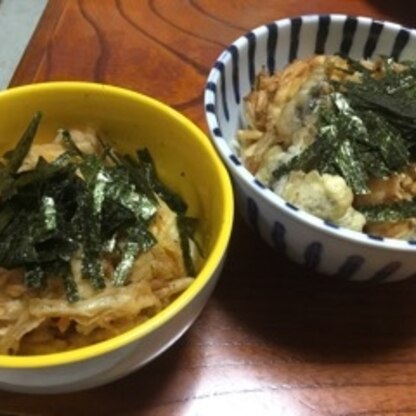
(185, 160)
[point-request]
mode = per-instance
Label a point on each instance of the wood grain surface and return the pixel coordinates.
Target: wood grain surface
(273, 339)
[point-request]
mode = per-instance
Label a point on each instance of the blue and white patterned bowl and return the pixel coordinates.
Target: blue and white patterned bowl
(305, 238)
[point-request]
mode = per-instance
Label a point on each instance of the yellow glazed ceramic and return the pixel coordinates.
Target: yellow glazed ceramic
(186, 162)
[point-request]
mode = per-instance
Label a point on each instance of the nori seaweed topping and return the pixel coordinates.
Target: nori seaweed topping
(95, 205)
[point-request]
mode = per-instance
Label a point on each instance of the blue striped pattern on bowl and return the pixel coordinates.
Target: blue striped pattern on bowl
(305, 238)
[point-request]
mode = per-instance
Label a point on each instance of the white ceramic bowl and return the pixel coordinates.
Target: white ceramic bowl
(186, 161)
(308, 240)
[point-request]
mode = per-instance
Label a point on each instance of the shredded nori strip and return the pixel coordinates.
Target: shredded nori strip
(35, 277)
(389, 212)
(129, 253)
(186, 231)
(86, 222)
(173, 200)
(17, 155)
(66, 137)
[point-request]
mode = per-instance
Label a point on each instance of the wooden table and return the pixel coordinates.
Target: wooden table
(273, 340)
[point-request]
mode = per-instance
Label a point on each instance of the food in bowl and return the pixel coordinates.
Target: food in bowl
(335, 136)
(92, 242)
(186, 162)
(318, 244)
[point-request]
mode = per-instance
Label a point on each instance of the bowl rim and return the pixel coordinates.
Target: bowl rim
(212, 261)
(241, 173)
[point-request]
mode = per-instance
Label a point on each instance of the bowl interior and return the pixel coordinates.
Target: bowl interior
(183, 155)
(272, 47)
